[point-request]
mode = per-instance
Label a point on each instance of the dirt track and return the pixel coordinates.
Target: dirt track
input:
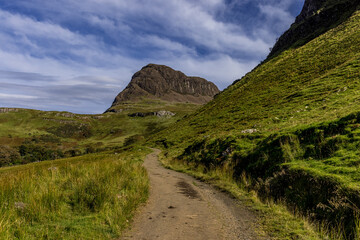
(181, 207)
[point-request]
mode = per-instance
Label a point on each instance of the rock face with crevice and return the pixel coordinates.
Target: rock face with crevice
(160, 82)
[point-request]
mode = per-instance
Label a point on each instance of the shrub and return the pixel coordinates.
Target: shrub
(72, 131)
(133, 139)
(8, 156)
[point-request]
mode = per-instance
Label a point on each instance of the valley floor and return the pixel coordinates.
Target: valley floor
(181, 207)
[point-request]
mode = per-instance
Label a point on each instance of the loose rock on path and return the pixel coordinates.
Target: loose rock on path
(181, 207)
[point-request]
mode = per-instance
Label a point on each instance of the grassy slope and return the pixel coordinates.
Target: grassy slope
(274, 218)
(314, 83)
(105, 128)
(88, 197)
(302, 152)
(60, 134)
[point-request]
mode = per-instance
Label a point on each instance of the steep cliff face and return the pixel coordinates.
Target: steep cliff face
(163, 83)
(316, 18)
(310, 8)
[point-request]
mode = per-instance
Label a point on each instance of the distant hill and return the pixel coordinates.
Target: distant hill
(159, 82)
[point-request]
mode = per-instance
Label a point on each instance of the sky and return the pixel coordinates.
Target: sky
(76, 56)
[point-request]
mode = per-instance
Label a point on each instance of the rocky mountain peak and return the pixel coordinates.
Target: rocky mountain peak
(161, 82)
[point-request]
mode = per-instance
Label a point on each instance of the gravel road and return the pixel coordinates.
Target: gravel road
(181, 207)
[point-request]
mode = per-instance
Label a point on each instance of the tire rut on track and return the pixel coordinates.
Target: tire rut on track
(181, 207)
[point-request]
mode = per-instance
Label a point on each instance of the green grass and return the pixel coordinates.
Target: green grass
(88, 197)
(316, 82)
(38, 135)
(303, 104)
(273, 219)
(330, 14)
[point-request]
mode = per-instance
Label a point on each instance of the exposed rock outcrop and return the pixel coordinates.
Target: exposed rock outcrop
(316, 18)
(6, 110)
(160, 82)
(310, 8)
(162, 113)
(65, 114)
(249, 131)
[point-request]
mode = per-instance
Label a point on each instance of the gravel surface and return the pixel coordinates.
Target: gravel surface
(181, 207)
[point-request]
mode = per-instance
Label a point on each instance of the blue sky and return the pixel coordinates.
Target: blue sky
(77, 56)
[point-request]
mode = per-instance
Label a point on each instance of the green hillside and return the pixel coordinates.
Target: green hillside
(93, 196)
(32, 135)
(313, 83)
(292, 125)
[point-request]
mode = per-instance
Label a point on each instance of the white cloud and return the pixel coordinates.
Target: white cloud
(182, 18)
(25, 26)
(16, 96)
(274, 14)
(222, 70)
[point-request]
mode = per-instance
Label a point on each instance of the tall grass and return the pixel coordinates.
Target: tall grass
(312, 88)
(88, 197)
(274, 219)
